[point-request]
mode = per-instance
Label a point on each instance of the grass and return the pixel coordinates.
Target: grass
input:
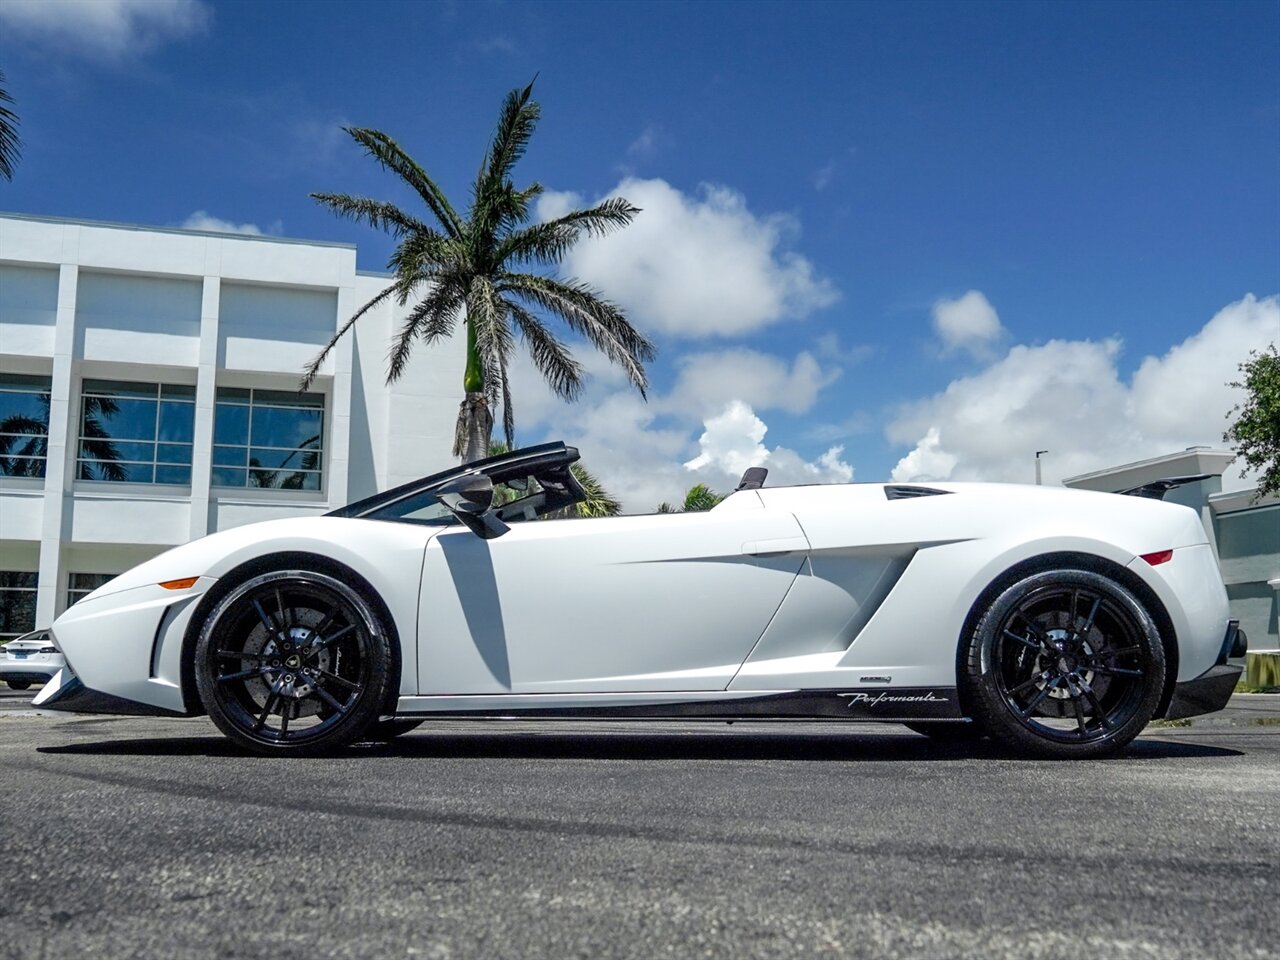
(1182, 722)
(1266, 721)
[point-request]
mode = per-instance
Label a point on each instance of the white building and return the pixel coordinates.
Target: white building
(148, 396)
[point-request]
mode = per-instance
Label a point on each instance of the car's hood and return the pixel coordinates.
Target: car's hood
(195, 559)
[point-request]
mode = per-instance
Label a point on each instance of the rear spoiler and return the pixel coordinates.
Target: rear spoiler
(1156, 489)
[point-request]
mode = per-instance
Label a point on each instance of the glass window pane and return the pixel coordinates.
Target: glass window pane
(287, 398)
(114, 451)
(284, 459)
(116, 472)
(17, 607)
(230, 424)
(21, 466)
(177, 391)
(227, 477)
(179, 453)
(89, 581)
(22, 381)
(121, 388)
(233, 394)
(169, 474)
(125, 419)
(277, 427)
(177, 421)
(24, 412)
(230, 456)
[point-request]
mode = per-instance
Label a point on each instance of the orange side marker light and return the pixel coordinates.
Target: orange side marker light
(182, 584)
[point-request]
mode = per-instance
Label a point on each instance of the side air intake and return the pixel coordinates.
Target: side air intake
(900, 492)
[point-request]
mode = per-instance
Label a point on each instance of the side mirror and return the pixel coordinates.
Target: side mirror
(469, 499)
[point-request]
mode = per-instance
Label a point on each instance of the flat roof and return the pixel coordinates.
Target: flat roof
(258, 237)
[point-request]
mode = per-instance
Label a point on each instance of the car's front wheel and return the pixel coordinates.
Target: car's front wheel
(293, 662)
(1064, 664)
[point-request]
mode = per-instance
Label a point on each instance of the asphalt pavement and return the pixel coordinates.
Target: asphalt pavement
(155, 838)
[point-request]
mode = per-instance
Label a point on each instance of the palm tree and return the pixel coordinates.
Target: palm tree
(477, 267)
(10, 142)
(699, 498)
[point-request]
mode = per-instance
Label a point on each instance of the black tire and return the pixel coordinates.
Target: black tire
(1064, 664)
(384, 731)
(20, 684)
(949, 731)
(293, 662)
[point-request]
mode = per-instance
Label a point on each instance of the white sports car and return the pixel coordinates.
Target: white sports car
(1059, 622)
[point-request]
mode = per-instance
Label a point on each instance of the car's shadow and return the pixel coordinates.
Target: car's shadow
(647, 745)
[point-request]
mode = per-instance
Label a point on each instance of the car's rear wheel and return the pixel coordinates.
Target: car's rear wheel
(293, 662)
(20, 684)
(1064, 664)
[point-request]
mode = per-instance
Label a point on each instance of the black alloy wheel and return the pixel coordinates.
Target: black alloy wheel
(1065, 664)
(293, 662)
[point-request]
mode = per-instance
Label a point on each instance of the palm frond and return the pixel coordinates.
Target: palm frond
(10, 142)
(313, 368)
(392, 157)
(597, 502)
(552, 358)
(599, 321)
(549, 242)
(511, 139)
(434, 317)
(377, 213)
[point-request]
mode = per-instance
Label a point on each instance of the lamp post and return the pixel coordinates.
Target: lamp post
(1038, 453)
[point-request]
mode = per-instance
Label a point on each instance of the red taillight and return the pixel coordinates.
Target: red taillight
(1160, 556)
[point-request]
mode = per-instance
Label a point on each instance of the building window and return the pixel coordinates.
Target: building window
(80, 585)
(17, 604)
(136, 432)
(268, 438)
(24, 425)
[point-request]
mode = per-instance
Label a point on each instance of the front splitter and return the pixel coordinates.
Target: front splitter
(66, 693)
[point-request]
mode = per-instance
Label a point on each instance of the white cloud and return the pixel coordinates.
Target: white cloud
(708, 380)
(1068, 397)
(699, 266)
(733, 441)
(967, 323)
(203, 220)
(107, 28)
(639, 450)
(653, 138)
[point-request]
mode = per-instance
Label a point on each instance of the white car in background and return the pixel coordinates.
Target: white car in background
(30, 660)
(1056, 621)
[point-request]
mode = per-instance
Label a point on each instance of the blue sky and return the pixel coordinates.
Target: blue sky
(938, 236)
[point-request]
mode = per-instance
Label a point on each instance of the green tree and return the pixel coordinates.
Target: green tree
(478, 266)
(1255, 431)
(10, 142)
(697, 499)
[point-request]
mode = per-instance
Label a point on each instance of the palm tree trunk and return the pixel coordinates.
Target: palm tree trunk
(475, 421)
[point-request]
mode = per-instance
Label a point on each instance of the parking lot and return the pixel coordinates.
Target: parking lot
(155, 838)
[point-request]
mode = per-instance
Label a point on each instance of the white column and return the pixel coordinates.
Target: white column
(63, 432)
(339, 440)
(206, 376)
